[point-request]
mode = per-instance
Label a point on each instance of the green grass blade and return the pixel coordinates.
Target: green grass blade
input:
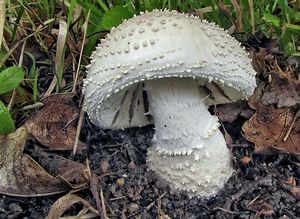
(70, 12)
(103, 5)
(2, 19)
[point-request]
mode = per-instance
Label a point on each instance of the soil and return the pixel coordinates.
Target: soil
(257, 189)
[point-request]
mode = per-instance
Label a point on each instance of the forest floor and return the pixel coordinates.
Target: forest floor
(109, 175)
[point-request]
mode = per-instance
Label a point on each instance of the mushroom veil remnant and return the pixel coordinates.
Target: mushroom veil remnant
(171, 66)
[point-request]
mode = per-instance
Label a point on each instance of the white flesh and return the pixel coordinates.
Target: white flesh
(188, 150)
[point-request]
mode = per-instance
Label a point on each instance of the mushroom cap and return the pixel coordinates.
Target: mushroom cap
(162, 44)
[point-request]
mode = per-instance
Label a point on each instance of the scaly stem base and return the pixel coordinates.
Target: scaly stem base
(188, 149)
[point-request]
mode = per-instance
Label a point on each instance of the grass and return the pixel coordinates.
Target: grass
(52, 39)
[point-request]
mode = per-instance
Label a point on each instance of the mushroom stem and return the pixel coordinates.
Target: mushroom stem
(181, 118)
(186, 136)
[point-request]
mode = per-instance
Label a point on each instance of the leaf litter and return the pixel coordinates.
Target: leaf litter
(275, 126)
(65, 202)
(23, 176)
(55, 125)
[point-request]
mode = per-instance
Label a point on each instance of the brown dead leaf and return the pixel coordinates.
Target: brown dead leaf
(276, 123)
(96, 189)
(134, 192)
(270, 128)
(55, 125)
(229, 112)
(65, 202)
(290, 181)
(254, 99)
(286, 73)
(260, 59)
(20, 175)
(261, 206)
(283, 91)
(295, 191)
(70, 172)
(291, 185)
(263, 213)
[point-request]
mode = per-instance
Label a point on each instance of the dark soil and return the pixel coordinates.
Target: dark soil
(256, 190)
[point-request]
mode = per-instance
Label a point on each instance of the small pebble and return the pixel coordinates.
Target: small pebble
(131, 165)
(113, 188)
(104, 165)
(13, 207)
(296, 192)
(120, 182)
(133, 207)
(246, 160)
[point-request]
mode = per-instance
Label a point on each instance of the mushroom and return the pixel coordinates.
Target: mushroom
(171, 66)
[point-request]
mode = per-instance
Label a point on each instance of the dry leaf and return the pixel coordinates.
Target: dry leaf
(55, 125)
(270, 129)
(70, 172)
(260, 60)
(290, 181)
(286, 73)
(20, 175)
(283, 91)
(295, 191)
(291, 185)
(65, 202)
(276, 123)
(229, 112)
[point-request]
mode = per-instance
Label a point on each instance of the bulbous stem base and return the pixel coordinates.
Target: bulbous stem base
(188, 149)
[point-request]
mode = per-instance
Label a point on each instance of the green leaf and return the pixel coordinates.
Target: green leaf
(115, 16)
(7, 124)
(269, 18)
(10, 78)
(292, 27)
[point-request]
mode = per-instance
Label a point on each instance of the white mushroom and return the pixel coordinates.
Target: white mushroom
(184, 65)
